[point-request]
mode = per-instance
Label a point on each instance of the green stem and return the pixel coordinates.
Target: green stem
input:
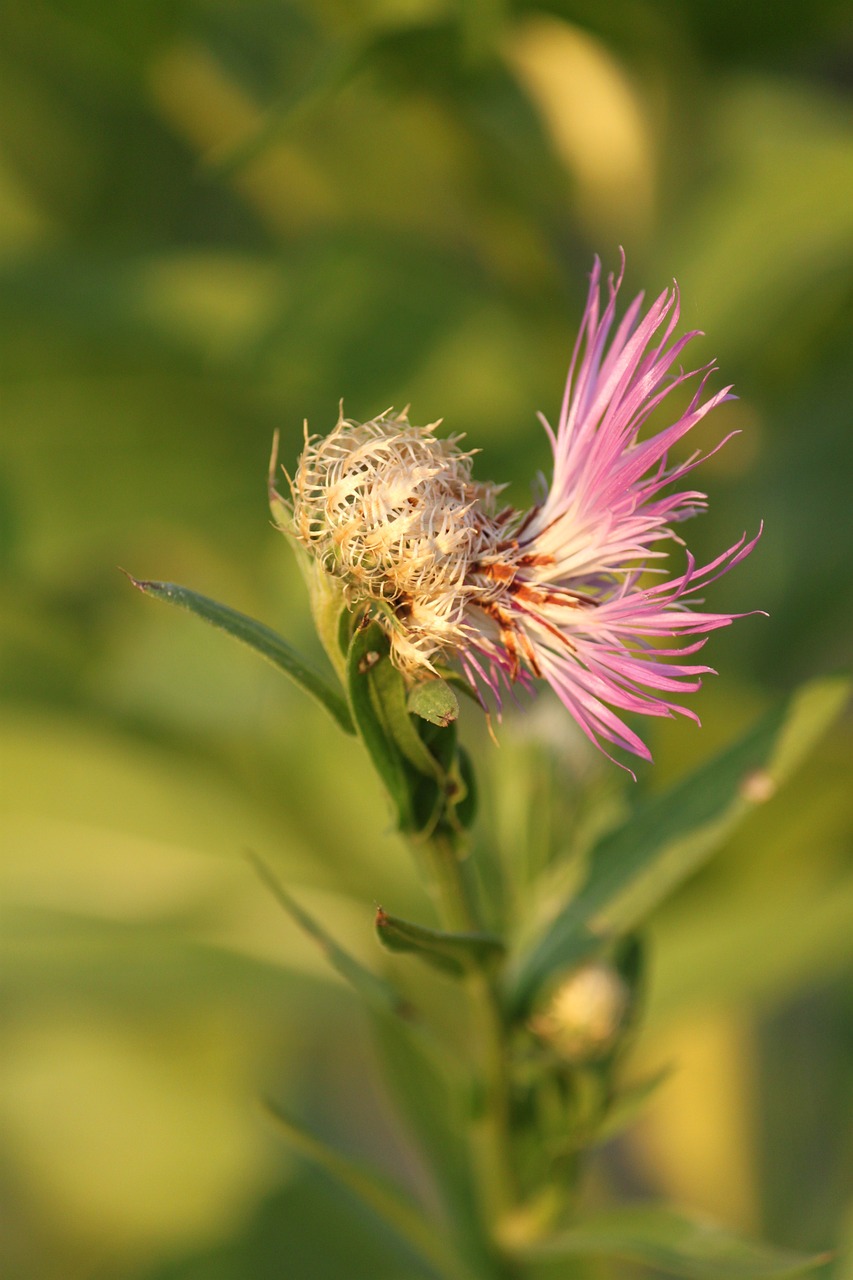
(493, 1147)
(451, 886)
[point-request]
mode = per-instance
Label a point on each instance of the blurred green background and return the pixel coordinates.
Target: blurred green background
(216, 219)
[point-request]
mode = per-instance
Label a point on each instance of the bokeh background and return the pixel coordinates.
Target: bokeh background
(216, 219)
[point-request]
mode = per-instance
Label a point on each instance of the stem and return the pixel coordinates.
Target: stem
(493, 1148)
(452, 888)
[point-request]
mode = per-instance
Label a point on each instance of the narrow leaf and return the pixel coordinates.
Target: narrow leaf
(635, 867)
(465, 808)
(257, 636)
(432, 1095)
(678, 1243)
(456, 953)
(280, 508)
(390, 692)
(379, 1196)
(368, 648)
(380, 995)
(329, 73)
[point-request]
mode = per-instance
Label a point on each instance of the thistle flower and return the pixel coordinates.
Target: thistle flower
(560, 592)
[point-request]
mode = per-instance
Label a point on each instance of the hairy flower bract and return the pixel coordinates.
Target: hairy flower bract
(575, 590)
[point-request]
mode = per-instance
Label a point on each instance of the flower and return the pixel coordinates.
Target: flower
(564, 592)
(584, 1013)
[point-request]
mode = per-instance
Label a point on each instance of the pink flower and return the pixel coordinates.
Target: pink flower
(565, 592)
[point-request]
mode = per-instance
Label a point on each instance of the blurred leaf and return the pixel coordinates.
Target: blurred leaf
(258, 637)
(435, 701)
(678, 1243)
(336, 64)
(434, 1106)
(845, 1261)
(781, 208)
(629, 1103)
(465, 810)
(761, 947)
(455, 953)
(375, 991)
(635, 867)
(379, 1197)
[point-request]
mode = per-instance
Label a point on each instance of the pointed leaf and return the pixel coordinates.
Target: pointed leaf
(280, 509)
(380, 995)
(635, 867)
(456, 953)
(325, 592)
(678, 1243)
(380, 1197)
(257, 636)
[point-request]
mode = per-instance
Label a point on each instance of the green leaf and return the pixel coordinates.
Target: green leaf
(635, 867)
(330, 72)
(280, 508)
(465, 809)
(456, 953)
(257, 636)
(390, 693)
(435, 701)
(678, 1243)
(432, 1097)
(369, 647)
(629, 1103)
(425, 1238)
(378, 994)
(753, 950)
(418, 761)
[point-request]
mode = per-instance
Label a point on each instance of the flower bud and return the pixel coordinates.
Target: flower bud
(391, 512)
(582, 1018)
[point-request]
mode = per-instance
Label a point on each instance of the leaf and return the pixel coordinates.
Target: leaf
(380, 995)
(629, 1103)
(377, 1195)
(635, 867)
(330, 72)
(456, 953)
(280, 508)
(257, 636)
(465, 809)
(435, 701)
(434, 1104)
(679, 1243)
(368, 648)
(390, 692)
(751, 950)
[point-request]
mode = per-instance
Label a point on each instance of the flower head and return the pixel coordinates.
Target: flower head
(560, 592)
(584, 1013)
